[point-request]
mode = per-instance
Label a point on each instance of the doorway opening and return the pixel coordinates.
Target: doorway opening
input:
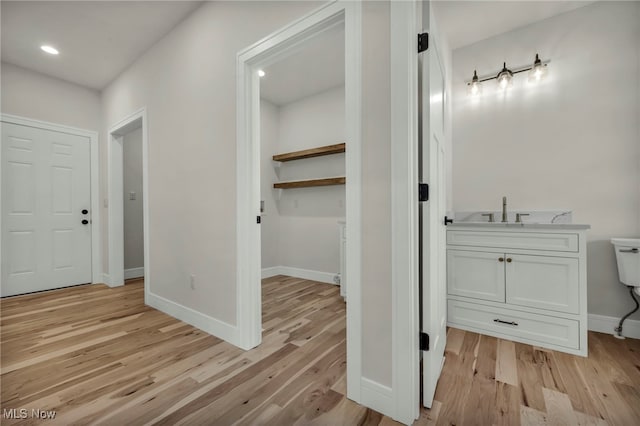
(303, 141)
(261, 56)
(128, 237)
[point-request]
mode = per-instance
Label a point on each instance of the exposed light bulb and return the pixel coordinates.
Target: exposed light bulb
(49, 49)
(538, 70)
(261, 73)
(474, 87)
(504, 77)
(537, 73)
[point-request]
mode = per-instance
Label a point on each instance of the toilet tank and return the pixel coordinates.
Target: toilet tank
(628, 259)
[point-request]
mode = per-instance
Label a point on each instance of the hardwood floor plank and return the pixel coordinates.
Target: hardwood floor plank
(530, 378)
(506, 365)
(507, 405)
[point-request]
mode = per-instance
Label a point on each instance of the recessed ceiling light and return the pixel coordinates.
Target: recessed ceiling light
(261, 73)
(50, 50)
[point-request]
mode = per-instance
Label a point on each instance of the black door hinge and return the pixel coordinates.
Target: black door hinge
(423, 42)
(424, 341)
(447, 221)
(258, 219)
(423, 192)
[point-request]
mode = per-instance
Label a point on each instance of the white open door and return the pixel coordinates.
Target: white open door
(432, 213)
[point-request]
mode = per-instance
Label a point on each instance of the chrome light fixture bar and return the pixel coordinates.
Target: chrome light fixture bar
(504, 77)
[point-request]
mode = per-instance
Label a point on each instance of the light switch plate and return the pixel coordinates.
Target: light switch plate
(132, 195)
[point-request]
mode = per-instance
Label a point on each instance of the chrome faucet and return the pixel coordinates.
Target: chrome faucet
(504, 209)
(490, 215)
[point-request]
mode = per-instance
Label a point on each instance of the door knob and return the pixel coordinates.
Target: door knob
(85, 221)
(509, 260)
(501, 259)
(85, 211)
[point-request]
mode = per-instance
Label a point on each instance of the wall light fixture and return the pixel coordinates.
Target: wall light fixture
(504, 78)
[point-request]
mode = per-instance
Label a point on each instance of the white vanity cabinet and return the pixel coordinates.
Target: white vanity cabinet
(520, 282)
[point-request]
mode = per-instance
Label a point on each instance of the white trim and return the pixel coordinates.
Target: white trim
(272, 271)
(116, 204)
(305, 274)
(134, 273)
(199, 320)
(378, 397)
(404, 212)
(266, 51)
(605, 324)
(106, 279)
(96, 252)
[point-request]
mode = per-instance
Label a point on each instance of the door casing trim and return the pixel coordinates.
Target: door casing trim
(115, 200)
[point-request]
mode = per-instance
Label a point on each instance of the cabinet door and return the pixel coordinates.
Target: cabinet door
(476, 274)
(543, 282)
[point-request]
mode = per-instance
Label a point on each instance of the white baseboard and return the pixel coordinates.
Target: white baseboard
(133, 273)
(107, 280)
(270, 272)
(197, 319)
(306, 274)
(376, 396)
(604, 324)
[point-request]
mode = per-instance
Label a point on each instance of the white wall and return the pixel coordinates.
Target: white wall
(570, 143)
(307, 226)
(33, 95)
(187, 83)
(133, 209)
(376, 192)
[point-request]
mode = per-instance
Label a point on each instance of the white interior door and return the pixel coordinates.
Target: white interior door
(433, 234)
(46, 196)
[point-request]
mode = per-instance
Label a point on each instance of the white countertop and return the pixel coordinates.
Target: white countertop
(515, 226)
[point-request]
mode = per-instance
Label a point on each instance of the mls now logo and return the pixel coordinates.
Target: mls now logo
(23, 413)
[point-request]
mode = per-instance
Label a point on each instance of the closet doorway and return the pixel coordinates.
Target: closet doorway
(302, 191)
(290, 197)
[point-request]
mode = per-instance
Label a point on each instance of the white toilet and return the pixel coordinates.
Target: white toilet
(628, 258)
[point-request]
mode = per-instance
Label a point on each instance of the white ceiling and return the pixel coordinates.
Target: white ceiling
(466, 22)
(97, 40)
(317, 66)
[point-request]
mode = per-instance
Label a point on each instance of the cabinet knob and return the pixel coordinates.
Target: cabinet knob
(509, 260)
(501, 259)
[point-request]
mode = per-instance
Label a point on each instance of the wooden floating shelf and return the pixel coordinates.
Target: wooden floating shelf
(313, 152)
(309, 183)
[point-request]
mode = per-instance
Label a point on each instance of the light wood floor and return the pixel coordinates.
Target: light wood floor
(98, 355)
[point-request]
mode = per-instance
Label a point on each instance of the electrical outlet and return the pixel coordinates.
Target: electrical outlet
(192, 282)
(132, 196)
